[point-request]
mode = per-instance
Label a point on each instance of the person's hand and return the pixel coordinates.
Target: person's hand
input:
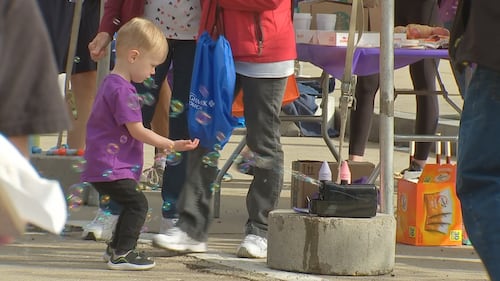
(97, 47)
(183, 145)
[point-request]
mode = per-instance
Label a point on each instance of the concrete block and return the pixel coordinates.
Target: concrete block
(60, 168)
(331, 245)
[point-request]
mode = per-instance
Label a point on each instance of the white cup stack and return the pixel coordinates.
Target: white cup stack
(302, 21)
(326, 21)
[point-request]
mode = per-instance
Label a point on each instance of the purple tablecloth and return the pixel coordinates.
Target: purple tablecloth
(365, 60)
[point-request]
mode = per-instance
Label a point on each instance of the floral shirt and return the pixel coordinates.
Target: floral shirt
(178, 19)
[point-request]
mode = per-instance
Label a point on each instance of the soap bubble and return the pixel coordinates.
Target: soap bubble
(147, 99)
(214, 187)
(220, 136)
(150, 83)
(79, 165)
(167, 205)
(176, 108)
(211, 158)
(173, 158)
(105, 199)
(136, 168)
(133, 102)
(202, 117)
(149, 215)
(217, 147)
(112, 148)
(75, 192)
(203, 91)
(107, 173)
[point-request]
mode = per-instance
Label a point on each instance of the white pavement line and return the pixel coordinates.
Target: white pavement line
(254, 265)
(474, 260)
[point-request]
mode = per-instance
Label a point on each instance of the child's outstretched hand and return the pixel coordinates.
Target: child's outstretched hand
(183, 145)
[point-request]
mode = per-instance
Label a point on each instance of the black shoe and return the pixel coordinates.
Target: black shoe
(413, 171)
(132, 260)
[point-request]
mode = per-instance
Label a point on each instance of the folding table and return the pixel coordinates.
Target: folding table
(331, 60)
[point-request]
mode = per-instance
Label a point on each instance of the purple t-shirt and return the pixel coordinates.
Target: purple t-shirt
(111, 152)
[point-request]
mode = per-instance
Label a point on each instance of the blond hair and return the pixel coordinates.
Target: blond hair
(141, 34)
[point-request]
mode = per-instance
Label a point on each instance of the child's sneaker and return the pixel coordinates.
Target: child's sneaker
(132, 260)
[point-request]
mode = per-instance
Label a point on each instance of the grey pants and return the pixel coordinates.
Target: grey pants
(262, 102)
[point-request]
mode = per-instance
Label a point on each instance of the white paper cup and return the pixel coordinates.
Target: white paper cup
(302, 21)
(326, 21)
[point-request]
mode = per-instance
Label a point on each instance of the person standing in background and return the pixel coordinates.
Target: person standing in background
(31, 100)
(58, 16)
(478, 180)
(262, 40)
(423, 75)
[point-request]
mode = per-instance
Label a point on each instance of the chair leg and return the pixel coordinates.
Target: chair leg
(222, 172)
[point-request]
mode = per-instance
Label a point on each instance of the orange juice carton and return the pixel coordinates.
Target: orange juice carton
(428, 211)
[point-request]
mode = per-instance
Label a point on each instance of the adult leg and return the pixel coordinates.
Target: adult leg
(423, 74)
(160, 120)
(83, 79)
(174, 176)
(478, 181)
(262, 101)
(361, 117)
(84, 89)
(148, 110)
(194, 203)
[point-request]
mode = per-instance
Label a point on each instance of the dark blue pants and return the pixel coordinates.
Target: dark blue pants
(478, 166)
(181, 56)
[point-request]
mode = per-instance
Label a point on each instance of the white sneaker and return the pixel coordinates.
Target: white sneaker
(101, 228)
(252, 246)
(177, 240)
(167, 224)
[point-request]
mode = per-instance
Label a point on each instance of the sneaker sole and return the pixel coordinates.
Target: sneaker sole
(181, 247)
(243, 252)
(129, 266)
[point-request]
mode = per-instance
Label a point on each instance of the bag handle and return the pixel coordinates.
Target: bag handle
(347, 98)
(217, 27)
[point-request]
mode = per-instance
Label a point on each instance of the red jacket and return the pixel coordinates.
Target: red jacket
(258, 30)
(118, 12)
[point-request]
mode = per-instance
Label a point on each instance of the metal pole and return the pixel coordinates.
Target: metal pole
(103, 64)
(387, 107)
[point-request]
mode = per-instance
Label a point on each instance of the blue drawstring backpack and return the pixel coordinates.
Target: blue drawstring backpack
(212, 89)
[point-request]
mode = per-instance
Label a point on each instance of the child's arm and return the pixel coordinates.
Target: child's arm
(137, 130)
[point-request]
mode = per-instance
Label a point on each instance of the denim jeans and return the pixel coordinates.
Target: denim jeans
(181, 55)
(478, 166)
